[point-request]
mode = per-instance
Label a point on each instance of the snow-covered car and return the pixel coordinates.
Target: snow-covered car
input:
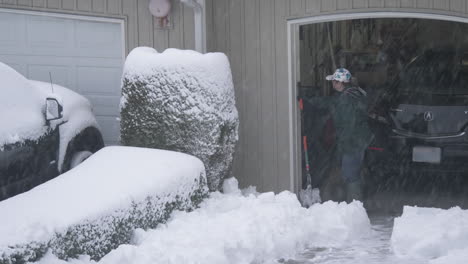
(45, 130)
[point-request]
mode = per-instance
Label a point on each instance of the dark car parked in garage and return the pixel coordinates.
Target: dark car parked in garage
(46, 130)
(421, 120)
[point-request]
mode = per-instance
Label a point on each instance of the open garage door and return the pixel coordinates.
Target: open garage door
(82, 53)
(415, 75)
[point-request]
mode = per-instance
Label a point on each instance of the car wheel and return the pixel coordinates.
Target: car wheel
(79, 157)
(88, 141)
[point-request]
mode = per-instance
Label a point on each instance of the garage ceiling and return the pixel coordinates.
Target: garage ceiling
(81, 54)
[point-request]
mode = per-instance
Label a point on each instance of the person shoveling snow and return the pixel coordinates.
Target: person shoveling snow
(349, 111)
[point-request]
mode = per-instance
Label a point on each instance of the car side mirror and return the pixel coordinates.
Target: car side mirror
(53, 109)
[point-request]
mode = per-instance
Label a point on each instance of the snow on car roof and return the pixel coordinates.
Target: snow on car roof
(21, 108)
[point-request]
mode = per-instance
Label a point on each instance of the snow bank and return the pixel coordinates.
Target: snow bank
(433, 234)
(233, 228)
(459, 256)
(184, 101)
(22, 108)
(77, 112)
(95, 207)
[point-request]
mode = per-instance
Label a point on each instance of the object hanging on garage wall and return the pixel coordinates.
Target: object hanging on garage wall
(161, 10)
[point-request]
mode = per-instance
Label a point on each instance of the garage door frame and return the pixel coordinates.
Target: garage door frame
(294, 72)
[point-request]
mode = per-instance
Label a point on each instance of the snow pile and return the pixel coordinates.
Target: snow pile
(183, 101)
(231, 186)
(77, 112)
(96, 206)
(459, 256)
(22, 108)
(433, 234)
(233, 228)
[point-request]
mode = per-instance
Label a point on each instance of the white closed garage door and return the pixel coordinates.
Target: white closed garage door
(82, 53)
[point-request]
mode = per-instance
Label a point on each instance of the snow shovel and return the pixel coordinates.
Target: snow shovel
(308, 196)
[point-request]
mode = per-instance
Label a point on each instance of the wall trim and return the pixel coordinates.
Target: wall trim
(375, 14)
(293, 36)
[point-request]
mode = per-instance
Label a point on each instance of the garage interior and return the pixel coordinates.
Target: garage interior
(376, 51)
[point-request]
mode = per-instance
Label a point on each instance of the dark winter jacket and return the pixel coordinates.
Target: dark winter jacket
(349, 112)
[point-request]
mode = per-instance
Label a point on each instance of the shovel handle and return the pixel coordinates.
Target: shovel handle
(304, 142)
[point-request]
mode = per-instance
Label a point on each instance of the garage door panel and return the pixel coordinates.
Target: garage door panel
(101, 41)
(38, 68)
(11, 32)
(60, 74)
(98, 80)
(48, 34)
(105, 105)
(37, 59)
(98, 62)
(110, 127)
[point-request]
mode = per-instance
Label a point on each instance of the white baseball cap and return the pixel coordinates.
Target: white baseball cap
(340, 75)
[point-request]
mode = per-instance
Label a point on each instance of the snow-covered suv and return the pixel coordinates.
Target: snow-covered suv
(45, 130)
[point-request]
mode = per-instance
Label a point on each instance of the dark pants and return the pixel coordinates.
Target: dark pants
(351, 164)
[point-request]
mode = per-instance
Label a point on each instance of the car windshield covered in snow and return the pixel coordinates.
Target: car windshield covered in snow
(437, 73)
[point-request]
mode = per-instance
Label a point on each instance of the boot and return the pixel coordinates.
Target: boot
(354, 191)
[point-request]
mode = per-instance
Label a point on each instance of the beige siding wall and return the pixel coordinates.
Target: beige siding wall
(141, 27)
(254, 35)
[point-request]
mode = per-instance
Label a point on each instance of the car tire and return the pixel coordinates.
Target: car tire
(79, 157)
(89, 140)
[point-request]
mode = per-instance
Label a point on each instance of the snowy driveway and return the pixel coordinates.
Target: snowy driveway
(250, 227)
(419, 236)
(375, 248)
